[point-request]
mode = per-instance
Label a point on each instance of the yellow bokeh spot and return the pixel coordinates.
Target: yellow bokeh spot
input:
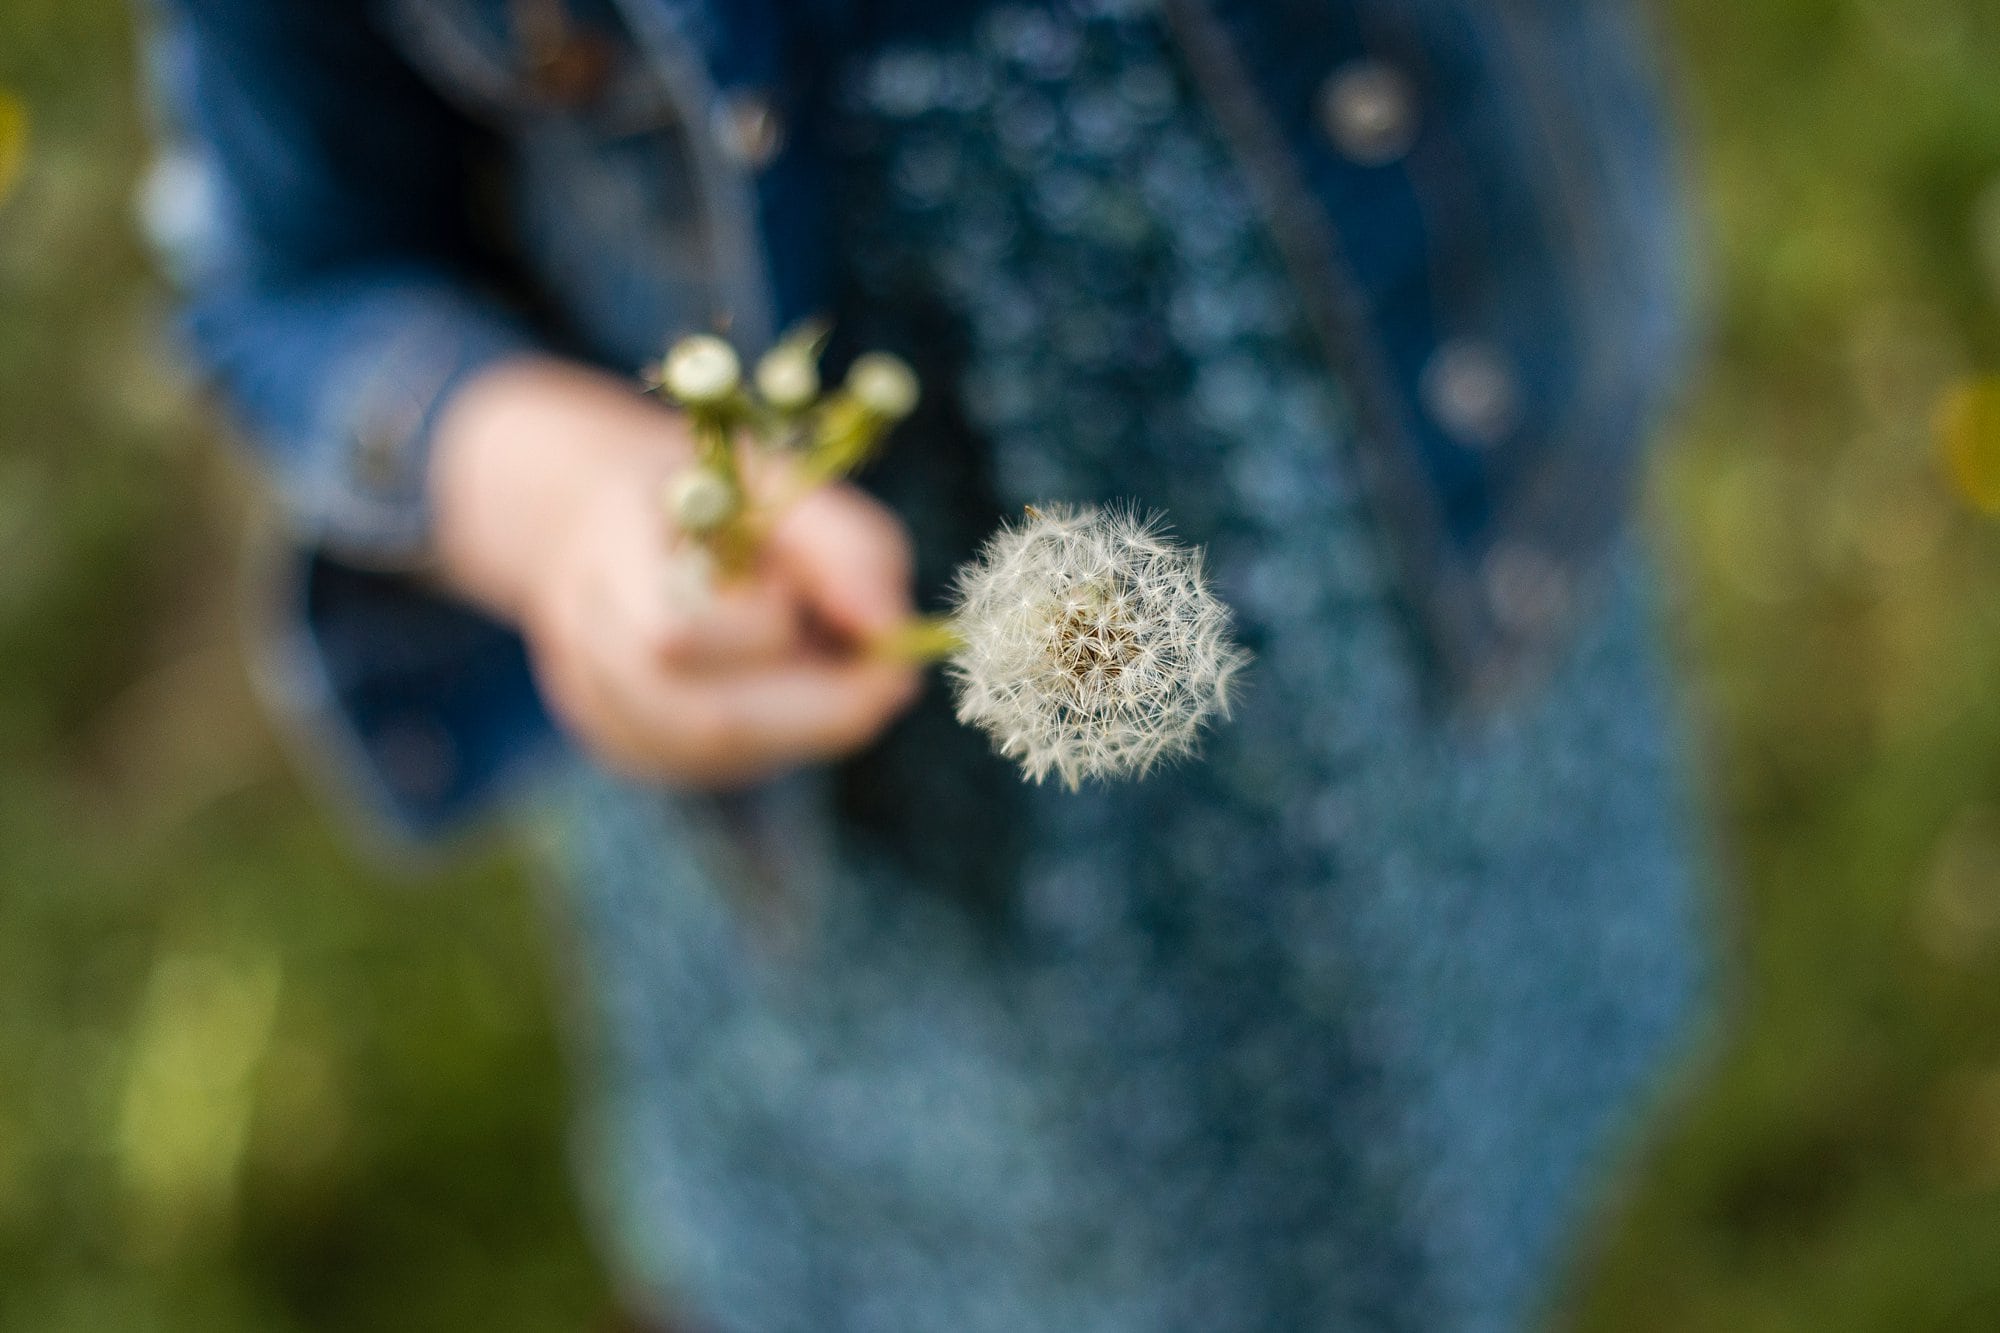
(1968, 425)
(13, 141)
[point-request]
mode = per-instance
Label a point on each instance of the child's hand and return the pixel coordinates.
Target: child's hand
(547, 484)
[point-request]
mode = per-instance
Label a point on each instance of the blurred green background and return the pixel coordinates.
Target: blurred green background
(246, 1083)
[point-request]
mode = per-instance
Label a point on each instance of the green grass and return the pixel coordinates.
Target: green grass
(247, 1083)
(1842, 1171)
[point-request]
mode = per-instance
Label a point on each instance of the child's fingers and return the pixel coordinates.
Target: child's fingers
(849, 558)
(729, 728)
(677, 619)
(816, 709)
(740, 623)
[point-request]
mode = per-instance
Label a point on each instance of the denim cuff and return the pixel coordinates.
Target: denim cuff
(361, 490)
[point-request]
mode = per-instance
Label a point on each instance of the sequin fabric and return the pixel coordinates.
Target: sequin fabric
(1340, 1027)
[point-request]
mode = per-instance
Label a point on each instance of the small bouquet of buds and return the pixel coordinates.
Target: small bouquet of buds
(1084, 641)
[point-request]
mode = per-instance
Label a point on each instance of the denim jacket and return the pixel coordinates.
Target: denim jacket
(369, 203)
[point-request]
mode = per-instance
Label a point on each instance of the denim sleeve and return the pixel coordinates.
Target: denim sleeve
(323, 232)
(313, 200)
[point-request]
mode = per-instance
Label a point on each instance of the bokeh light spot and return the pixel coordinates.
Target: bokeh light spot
(1968, 425)
(13, 141)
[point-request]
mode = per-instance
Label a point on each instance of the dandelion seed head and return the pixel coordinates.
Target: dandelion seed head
(1092, 645)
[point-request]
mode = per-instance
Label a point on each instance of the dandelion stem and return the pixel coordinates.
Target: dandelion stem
(733, 539)
(920, 640)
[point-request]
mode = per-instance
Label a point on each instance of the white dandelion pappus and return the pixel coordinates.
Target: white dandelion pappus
(1091, 645)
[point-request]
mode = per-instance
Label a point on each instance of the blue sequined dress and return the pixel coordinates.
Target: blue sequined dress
(1339, 1027)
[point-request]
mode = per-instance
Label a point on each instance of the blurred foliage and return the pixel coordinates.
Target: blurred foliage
(1841, 611)
(246, 1083)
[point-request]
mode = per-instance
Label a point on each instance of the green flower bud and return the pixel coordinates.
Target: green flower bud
(701, 371)
(788, 377)
(700, 501)
(883, 385)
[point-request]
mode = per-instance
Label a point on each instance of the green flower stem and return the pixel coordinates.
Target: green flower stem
(734, 540)
(712, 447)
(845, 437)
(921, 640)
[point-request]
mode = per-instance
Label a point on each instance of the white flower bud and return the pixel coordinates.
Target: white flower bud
(788, 377)
(700, 501)
(1092, 645)
(701, 371)
(883, 384)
